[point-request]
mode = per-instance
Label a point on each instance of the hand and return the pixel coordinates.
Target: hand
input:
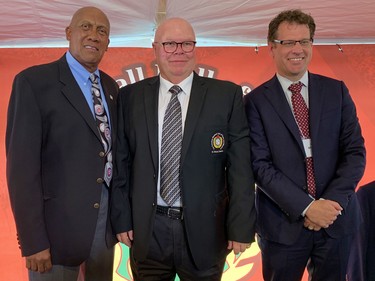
(323, 212)
(40, 261)
(126, 238)
(310, 225)
(237, 247)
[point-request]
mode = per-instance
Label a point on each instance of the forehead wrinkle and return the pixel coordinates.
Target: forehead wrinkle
(89, 13)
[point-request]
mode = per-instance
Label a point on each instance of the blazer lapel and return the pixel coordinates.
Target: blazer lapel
(275, 95)
(151, 101)
(316, 95)
(197, 95)
(74, 94)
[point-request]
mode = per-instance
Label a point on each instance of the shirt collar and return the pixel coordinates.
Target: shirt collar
(81, 73)
(185, 84)
(285, 83)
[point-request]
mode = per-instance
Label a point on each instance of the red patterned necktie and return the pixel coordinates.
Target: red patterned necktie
(301, 114)
(103, 127)
(171, 149)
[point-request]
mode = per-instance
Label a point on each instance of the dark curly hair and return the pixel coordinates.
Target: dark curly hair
(290, 16)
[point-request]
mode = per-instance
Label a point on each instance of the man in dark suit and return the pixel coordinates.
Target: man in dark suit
(58, 169)
(213, 210)
(362, 251)
(306, 166)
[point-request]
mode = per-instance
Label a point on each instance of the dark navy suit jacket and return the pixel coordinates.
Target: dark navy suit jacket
(362, 256)
(278, 157)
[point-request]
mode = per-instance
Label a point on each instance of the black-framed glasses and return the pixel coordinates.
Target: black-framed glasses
(292, 43)
(171, 46)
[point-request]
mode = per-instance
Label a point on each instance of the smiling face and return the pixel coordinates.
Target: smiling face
(88, 36)
(178, 65)
(291, 62)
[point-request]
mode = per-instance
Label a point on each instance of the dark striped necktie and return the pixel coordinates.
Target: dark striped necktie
(171, 150)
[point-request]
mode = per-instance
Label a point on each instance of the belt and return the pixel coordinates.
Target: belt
(174, 213)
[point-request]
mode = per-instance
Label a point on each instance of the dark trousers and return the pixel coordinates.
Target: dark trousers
(326, 258)
(169, 255)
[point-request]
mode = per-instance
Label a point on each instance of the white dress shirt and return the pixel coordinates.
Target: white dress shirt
(164, 98)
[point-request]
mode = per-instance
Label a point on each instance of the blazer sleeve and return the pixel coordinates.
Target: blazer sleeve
(352, 154)
(23, 167)
(241, 187)
(121, 218)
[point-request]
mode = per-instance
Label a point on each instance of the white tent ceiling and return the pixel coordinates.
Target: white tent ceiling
(41, 23)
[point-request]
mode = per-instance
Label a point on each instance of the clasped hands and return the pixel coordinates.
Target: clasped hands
(322, 214)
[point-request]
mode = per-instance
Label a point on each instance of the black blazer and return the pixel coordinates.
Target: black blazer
(278, 157)
(53, 161)
(217, 184)
(362, 255)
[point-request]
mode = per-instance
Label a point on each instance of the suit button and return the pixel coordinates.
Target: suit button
(96, 205)
(99, 180)
(101, 154)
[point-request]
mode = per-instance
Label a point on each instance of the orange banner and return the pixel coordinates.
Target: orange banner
(243, 65)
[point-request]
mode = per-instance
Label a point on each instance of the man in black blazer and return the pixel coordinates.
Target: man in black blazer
(215, 209)
(56, 159)
(297, 227)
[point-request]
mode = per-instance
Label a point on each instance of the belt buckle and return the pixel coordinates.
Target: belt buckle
(177, 210)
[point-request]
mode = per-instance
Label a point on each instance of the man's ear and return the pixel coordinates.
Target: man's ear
(271, 47)
(154, 47)
(68, 33)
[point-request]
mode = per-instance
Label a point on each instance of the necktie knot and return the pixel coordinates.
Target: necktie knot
(175, 90)
(296, 88)
(94, 78)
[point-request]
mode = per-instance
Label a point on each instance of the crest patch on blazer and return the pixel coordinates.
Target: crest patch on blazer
(217, 143)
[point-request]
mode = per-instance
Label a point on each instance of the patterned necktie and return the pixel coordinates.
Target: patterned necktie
(171, 149)
(301, 113)
(103, 127)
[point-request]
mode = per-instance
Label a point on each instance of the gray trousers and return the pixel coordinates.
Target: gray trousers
(98, 266)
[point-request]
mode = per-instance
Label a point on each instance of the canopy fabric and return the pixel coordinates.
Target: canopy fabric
(41, 23)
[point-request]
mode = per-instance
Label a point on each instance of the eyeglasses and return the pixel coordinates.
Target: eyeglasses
(171, 46)
(292, 43)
